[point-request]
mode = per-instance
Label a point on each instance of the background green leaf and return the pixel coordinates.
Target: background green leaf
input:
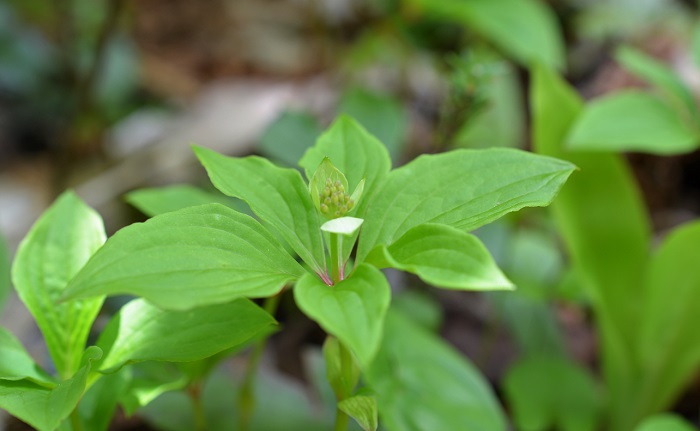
(143, 332)
(45, 408)
(461, 188)
(422, 384)
(665, 422)
(527, 30)
(289, 136)
(632, 121)
(195, 256)
(362, 408)
(15, 362)
(669, 340)
(160, 200)
(602, 219)
(661, 76)
(446, 257)
(99, 403)
(352, 310)
(382, 116)
(54, 250)
(278, 196)
(552, 393)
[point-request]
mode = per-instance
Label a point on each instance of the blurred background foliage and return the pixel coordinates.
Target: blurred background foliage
(106, 95)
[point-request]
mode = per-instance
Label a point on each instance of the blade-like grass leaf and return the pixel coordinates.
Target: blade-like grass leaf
(54, 250)
(445, 257)
(278, 196)
(352, 310)
(143, 332)
(422, 384)
(462, 188)
(183, 259)
(45, 408)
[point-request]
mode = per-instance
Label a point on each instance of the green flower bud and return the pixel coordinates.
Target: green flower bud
(324, 208)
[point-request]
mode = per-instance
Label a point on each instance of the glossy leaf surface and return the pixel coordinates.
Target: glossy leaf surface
(445, 257)
(45, 408)
(196, 256)
(54, 250)
(143, 332)
(422, 384)
(462, 188)
(278, 196)
(352, 310)
(632, 121)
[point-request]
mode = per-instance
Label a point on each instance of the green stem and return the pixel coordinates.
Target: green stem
(246, 397)
(200, 419)
(75, 421)
(341, 420)
(336, 249)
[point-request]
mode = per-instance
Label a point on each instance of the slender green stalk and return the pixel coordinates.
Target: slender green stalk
(246, 397)
(341, 420)
(75, 421)
(336, 256)
(200, 418)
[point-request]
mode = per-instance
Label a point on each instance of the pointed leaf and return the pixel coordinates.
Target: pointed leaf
(159, 200)
(665, 422)
(525, 29)
(45, 408)
(362, 408)
(289, 136)
(462, 188)
(183, 259)
(355, 152)
(15, 362)
(632, 121)
(278, 196)
(445, 257)
(670, 342)
(552, 393)
(352, 310)
(143, 332)
(54, 250)
(423, 384)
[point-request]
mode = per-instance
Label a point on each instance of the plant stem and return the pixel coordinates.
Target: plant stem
(200, 419)
(75, 421)
(246, 397)
(336, 256)
(341, 420)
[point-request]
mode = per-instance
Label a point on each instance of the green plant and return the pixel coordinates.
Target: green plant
(194, 267)
(642, 300)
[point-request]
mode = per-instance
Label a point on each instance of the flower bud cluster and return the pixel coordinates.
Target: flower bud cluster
(334, 201)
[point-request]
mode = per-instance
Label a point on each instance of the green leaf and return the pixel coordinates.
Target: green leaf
(423, 384)
(143, 332)
(278, 196)
(669, 340)
(382, 116)
(183, 259)
(602, 219)
(552, 393)
(5, 283)
(160, 200)
(149, 381)
(665, 422)
(352, 310)
(289, 136)
(462, 188)
(45, 408)
(662, 77)
(342, 373)
(362, 408)
(632, 121)
(99, 403)
(527, 30)
(445, 257)
(355, 152)
(53, 251)
(15, 362)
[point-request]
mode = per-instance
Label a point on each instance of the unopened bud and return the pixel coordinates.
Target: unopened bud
(324, 208)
